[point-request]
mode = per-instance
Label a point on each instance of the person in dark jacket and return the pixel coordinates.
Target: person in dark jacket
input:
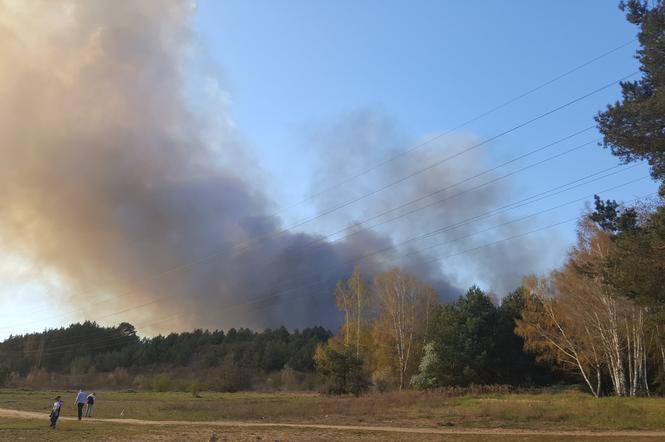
(90, 400)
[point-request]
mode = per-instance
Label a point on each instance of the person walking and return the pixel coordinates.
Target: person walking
(90, 400)
(80, 402)
(55, 412)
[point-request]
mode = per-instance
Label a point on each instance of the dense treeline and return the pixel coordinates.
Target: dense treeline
(397, 335)
(88, 348)
(472, 341)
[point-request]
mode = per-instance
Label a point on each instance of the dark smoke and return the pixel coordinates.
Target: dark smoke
(109, 179)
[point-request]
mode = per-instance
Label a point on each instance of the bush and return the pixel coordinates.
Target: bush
(426, 378)
(228, 377)
(384, 381)
(160, 382)
(194, 387)
(342, 371)
(289, 379)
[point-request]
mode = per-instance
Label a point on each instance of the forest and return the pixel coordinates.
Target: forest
(243, 358)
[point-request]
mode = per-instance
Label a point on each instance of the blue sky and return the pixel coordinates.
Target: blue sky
(428, 65)
(289, 68)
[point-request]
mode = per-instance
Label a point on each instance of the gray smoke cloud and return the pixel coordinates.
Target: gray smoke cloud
(111, 181)
(359, 140)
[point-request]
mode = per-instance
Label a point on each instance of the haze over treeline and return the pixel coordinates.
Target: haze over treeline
(148, 209)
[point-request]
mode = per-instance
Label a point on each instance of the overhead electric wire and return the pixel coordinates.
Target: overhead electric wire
(443, 257)
(321, 239)
(410, 175)
(355, 231)
(458, 224)
(117, 340)
(255, 241)
(521, 203)
(448, 187)
(524, 201)
(461, 152)
(463, 124)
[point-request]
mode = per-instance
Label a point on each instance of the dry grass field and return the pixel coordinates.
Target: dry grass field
(500, 417)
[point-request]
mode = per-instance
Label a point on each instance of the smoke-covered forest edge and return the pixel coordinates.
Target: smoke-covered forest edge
(115, 357)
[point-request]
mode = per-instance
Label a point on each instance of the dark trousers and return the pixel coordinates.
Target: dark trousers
(80, 405)
(54, 419)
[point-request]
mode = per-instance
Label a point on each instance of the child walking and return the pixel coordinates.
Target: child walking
(90, 400)
(55, 412)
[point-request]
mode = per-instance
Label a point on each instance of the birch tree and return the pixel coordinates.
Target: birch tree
(578, 319)
(352, 299)
(404, 307)
(548, 328)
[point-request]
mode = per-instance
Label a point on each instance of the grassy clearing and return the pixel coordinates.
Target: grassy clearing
(546, 411)
(32, 430)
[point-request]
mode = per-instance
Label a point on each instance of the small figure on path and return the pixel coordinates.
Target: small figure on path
(55, 412)
(80, 402)
(90, 400)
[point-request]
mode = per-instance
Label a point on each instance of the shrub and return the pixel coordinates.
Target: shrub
(426, 378)
(160, 382)
(384, 381)
(289, 379)
(342, 371)
(228, 377)
(194, 387)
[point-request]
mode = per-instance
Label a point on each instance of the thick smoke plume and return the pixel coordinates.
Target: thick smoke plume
(110, 180)
(449, 198)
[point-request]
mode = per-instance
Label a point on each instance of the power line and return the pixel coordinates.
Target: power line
(429, 195)
(256, 241)
(462, 152)
(460, 125)
(323, 238)
(463, 124)
(53, 350)
(393, 183)
(520, 203)
(462, 252)
(449, 131)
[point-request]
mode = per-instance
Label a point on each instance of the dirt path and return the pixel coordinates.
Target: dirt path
(445, 431)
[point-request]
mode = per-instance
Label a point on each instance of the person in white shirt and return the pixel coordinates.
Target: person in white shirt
(55, 412)
(80, 402)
